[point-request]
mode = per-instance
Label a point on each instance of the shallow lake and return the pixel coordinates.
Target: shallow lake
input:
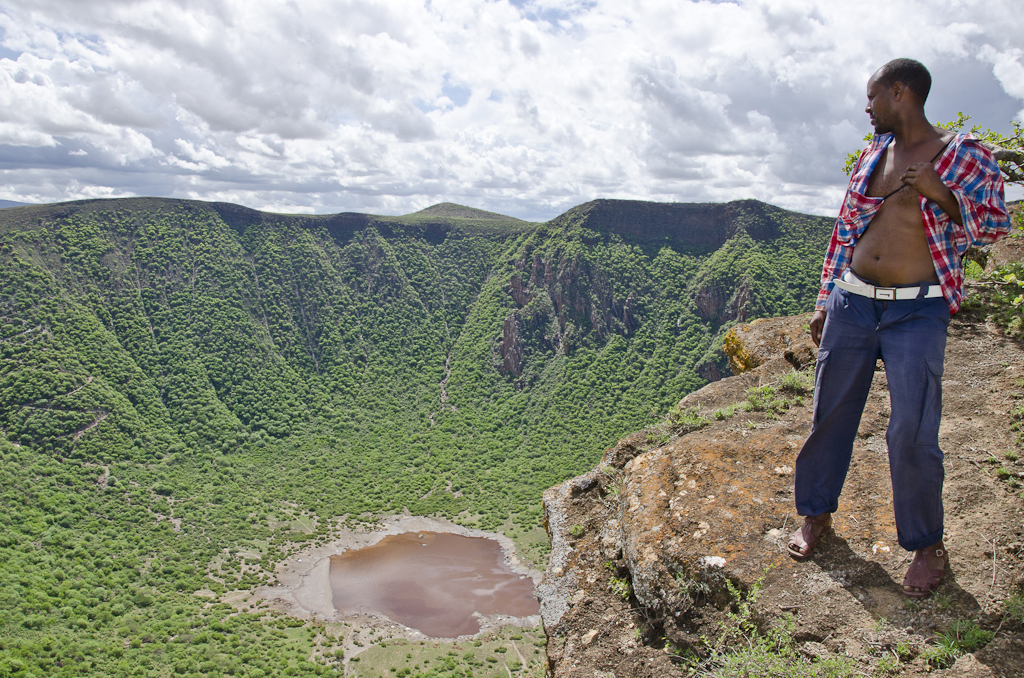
(432, 582)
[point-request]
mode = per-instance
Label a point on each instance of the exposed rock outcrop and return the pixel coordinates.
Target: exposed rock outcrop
(557, 302)
(646, 546)
(751, 345)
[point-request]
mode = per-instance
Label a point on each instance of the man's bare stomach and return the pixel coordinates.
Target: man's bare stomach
(894, 250)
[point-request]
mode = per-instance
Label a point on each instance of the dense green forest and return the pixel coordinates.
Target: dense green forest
(189, 391)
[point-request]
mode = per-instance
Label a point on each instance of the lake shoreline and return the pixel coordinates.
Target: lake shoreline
(304, 587)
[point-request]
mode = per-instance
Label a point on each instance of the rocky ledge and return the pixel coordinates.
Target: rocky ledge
(671, 552)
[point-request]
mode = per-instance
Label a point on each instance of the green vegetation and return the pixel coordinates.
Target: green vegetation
(797, 383)
(772, 399)
(520, 650)
(685, 420)
(190, 392)
(998, 298)
(962, 637)
(1000, 295)
(1014, 606)
(621, 587)
(727, 412)
(679, 421)
(743, 650)
(765, 399)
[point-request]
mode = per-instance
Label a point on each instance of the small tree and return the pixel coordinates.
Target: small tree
(1007, 149)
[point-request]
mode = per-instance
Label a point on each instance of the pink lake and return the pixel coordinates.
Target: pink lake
(433, 584)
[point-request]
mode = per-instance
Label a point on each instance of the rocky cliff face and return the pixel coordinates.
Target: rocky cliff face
(559, 302)
(672, 540)
(607, 268)
(682, 225)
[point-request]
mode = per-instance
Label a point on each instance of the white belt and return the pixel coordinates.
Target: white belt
(851, 283)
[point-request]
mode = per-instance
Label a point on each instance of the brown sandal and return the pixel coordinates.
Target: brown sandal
(803, 542)
(922, 580)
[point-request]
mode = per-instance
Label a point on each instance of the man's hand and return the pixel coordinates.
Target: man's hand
(817, 325)
(922, 177)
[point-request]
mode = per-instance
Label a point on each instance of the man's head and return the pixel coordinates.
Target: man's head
(911, 73)
(896, 89)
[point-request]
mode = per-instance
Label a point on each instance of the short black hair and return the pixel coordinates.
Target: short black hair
(911, 73)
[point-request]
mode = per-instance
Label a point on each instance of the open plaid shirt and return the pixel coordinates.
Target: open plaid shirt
(970, 172)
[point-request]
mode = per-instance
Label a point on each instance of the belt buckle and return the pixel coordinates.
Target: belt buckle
(885, 293)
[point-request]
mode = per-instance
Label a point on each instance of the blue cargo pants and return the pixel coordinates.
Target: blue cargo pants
(910, 338)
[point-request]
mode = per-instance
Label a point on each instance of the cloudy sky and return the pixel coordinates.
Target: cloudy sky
(525, 107)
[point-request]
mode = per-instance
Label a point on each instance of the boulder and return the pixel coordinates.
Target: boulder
(752, 344)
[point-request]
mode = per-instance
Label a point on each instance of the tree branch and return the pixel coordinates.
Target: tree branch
(1008, 158)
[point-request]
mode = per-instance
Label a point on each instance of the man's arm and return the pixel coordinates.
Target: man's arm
(840, 253)
(837, 260)
(817, 325)
(972, 177)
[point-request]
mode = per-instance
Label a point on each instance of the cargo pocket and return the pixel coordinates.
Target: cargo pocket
(931, 405)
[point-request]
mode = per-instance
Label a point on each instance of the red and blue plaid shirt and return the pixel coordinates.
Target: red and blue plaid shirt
(970, 172)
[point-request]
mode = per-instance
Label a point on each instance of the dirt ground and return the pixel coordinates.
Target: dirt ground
(673, 520)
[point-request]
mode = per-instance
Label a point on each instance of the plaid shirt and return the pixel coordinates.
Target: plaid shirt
(970, 172)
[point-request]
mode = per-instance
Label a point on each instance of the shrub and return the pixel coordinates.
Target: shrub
(684, 420)
(621, 587)
(1015, 606)
(765, 399)
(797, 383)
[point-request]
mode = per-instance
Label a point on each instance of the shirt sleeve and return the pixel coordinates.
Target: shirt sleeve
(977, 185)
(839, 255)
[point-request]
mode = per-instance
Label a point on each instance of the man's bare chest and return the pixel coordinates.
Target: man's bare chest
(885, 179)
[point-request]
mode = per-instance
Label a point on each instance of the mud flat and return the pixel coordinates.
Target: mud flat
(305, 587)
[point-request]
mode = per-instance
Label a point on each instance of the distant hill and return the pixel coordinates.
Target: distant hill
(242, 372)
(453, 303)
(449, 209)
(213, 327)
(11, 203)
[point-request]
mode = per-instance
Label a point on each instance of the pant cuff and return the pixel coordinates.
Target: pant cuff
(805, 510)
(922, 543)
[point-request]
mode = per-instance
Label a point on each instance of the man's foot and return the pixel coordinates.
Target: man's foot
(803, 541)
(925, 572)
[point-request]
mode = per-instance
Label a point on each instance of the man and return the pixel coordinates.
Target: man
(918, 197)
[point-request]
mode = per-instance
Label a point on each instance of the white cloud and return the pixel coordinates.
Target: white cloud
(1007, 66)
(525, 108)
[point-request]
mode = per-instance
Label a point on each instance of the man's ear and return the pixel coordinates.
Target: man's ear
(898, 90)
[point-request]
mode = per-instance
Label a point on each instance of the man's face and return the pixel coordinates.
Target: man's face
(880, 106)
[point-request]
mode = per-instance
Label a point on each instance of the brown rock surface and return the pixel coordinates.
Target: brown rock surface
(676, 521)
(761, 340)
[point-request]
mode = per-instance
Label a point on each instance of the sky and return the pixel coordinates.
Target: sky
(523, 107)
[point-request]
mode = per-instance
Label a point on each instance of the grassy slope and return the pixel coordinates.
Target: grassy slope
(232, 369)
